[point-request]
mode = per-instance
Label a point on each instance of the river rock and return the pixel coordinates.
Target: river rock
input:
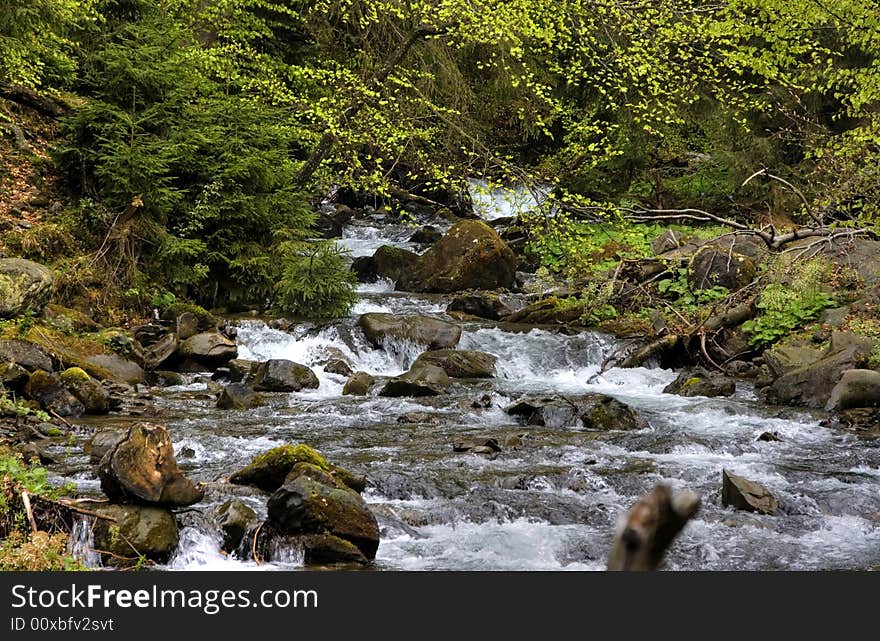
(460, 363)
(421, 330)
(208, 348)
(25, 354)
(700, 382)
(359, 384)
(811, 385)
(482, 305)
(239, 369)
(602, 412)
(165, 378)
(281, 375)
(187, 325)
(101, 443)
(316, 549)
(326, 227)
(268, 470)
(115, 368)
(593, 411)
(715, 266)
(25, 287)
(234, 519)
(135, 530)
(141, 468)
(743, 494)
(420, 380)
(477, 445)
(393, 262)
(48, 390)
(238, 396)
(548, 311)
(305, 506)
(470, 256)
(13, 376)
(856, 388)
(93, 396)
(157, 352)
(426, 235)
(339, 367)
(548, 411)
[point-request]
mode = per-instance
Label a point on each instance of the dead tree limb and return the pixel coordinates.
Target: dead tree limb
(655, 349)
(649, 528)
(30, 98)
(26, 501)
(800, 194)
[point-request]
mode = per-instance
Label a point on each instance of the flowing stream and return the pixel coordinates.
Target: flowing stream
(551, 500)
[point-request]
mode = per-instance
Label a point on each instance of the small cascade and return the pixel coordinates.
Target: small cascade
(82, 545)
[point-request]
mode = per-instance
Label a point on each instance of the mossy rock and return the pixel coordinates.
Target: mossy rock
(90, 392)
(269, 470)
(50, 392)
(206, 320)
(135, 530)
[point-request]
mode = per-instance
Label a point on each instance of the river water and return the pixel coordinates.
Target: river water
(552, 500)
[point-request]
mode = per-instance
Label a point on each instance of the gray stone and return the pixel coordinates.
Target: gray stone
(743, 494)
(856, 388)
(460, 363)
(420, 380)
(359, 384)
(421, 330)
(281, 375)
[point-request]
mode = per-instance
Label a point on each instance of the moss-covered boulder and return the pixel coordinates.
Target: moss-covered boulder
(141, 468)
(281, 375)
(128, 531)
(47, 389)
(393, 262)
(700, 382)
(470, 256)
(25, 287)
(90, 392)
(433, 333)
(306, 506)
(549, 311)
(358, 384)
(460, 363)
(268, 470)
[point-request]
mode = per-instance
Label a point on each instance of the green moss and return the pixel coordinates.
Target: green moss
(206, 319)
(75, 375)
(691, 381)
(268, 470)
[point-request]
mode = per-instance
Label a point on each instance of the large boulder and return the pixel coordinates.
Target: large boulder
(470, 256)
(433, 333)
(25, 287)
(547, 411)
(281, 375)
(238, 396)
(811, 384)
(746, 495)
(208, 348)
(25, 354)
(306, 506)
(714, 266)
(700, 382)
(90, 392)
(269, 470)
(48, 390)
(602, 412)
(141, 468)
(359, 384)
(856, 388)
(784, 359)
(482, 305)
(128, 531)
(420, 380)
(460, 363)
